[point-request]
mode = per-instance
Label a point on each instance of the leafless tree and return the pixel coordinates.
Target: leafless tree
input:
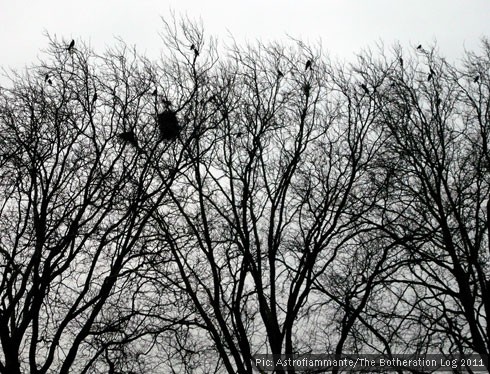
(335, 208)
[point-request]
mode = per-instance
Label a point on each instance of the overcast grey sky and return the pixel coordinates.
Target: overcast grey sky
(344, 26)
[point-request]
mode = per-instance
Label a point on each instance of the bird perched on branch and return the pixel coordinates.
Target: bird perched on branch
(308, 65)
(306, 89)
(364, 87)
(419, 47)
(154, 93)
(280, 74)
(70, 47)
(476, 79)
(129, 137)
(194, 49)
(168, 125)
(431, 74)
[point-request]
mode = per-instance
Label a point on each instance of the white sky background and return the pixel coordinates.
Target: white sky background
(344, 26)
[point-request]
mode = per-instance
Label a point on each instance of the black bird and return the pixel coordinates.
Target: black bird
(431, 74)
(306, 89)
(130, 137)
(280, 74)
(476, 79)
(419, 47)
(154, 93)
(364, 87)
(401, 61)
(94, 98)
(70, 47)
(168, 125)
(308, 65)
(50, 82)
(46, 77)
(193, 48)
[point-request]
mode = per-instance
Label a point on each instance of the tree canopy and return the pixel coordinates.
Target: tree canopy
(185, 214)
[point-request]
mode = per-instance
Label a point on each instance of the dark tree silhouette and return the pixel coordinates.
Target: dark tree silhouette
(70, 254)
(314, 214)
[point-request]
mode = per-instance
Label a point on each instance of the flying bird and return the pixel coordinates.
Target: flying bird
(129, 137)
(364, 87)
(70, 47)
(168, 125)
(476, 79)
(308, 65)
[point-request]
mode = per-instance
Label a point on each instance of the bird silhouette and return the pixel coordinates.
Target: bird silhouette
(70, 47)
(50, 82)
(168, 125)
(419, 47)
(94, 98)
(308, 65)
(431, 74)
(194, 49)
(306, 89)
(280, 74)
(46, 77)
(129, 137)
(154, 93)
(401, 61)
(364, 87)
(476, 79)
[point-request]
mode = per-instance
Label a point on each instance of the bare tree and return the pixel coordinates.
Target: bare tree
(76, 197)
(433, 212)
(186, 214)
